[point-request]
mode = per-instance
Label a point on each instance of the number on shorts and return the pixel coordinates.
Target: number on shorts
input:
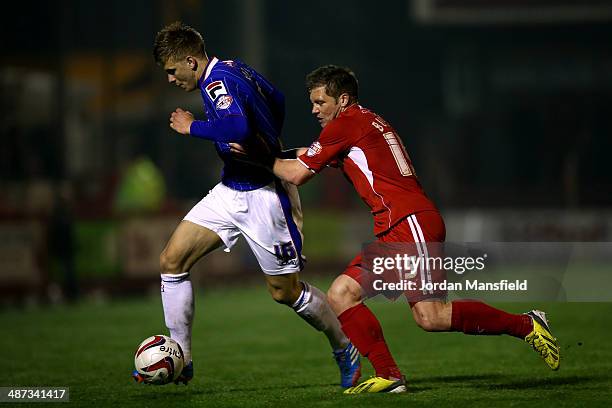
(285, 251)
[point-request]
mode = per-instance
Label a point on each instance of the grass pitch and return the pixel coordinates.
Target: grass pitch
(251, 352)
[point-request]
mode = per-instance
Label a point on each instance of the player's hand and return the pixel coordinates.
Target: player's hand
(255, 152)
(238, 150)
(180, 121)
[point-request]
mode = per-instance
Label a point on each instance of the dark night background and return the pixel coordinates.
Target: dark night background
(504, 107)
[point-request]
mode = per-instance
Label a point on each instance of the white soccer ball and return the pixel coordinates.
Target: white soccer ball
(159, 359)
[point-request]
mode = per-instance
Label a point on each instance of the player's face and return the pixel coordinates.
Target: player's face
(324, 107)
(181, 74)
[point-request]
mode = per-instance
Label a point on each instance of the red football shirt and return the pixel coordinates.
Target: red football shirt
(374, 159)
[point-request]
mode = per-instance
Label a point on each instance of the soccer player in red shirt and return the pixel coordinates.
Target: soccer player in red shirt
(372, 156)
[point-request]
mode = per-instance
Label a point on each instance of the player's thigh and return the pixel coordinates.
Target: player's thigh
(272, 228)
(188, 243)
(285, 288)
(419, 237)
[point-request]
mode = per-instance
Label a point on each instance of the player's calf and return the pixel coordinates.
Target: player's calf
(312, 306)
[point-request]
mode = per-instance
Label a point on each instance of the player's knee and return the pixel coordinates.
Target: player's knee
(429, 318)
(335, 295)
(283, 296)
(341, 297)
(426, 323)
(169, 263)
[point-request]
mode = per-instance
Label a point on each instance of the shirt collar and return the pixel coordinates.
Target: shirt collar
(211, 63)
(350, 108)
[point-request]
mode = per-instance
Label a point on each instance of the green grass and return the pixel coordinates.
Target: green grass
(251, 352)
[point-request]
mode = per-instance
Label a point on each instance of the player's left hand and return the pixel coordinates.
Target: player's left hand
(181, 120)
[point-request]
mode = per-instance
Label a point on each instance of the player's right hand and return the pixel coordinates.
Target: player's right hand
(254, 151)
(237, 149)
(181, 120)
(240, 153)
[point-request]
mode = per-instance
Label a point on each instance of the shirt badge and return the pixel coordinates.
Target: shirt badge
(314, 149)
(224, 102)
(215, 89)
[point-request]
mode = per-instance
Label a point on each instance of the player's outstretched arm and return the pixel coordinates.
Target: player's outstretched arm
(292, 153)
(286, 167)
(229, 128)
(242, 153)
(292, 171)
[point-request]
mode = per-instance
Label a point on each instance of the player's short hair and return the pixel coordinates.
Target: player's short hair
(337, 80)
(177, 41)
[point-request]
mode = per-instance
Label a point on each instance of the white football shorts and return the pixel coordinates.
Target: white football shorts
(269, 218)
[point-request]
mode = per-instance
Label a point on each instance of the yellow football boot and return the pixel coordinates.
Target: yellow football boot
(542, 340)
(378, 384)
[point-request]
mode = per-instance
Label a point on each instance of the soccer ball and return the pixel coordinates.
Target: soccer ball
(159, 360)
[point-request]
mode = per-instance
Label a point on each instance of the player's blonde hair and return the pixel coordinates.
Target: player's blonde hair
(177, 41)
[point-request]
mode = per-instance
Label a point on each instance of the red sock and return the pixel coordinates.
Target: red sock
(481, 319)
(363, 329)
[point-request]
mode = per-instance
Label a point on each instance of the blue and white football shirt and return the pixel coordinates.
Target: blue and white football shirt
(241, 106)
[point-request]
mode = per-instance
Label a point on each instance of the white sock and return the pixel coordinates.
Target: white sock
(177, 299)
(312, 306)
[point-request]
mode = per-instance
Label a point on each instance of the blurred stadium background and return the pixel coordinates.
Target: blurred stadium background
(504, 106)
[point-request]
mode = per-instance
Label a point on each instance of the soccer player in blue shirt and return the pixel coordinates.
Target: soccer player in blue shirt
(240, 106)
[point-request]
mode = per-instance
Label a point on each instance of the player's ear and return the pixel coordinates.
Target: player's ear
(192, 63)
(344, 100)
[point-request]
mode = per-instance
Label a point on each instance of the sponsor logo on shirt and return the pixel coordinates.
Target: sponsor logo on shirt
(314, 149)
(224, 102)
(215, 89)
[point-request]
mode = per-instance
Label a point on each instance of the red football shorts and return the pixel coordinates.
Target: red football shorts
(375, 268)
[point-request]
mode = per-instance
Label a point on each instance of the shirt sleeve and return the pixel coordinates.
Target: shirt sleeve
(332, 144)
(231, 123)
